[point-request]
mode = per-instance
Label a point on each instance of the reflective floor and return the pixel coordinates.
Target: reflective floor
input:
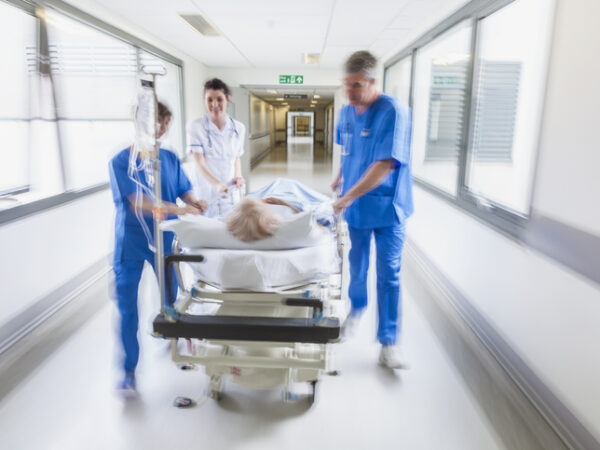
(69, 401)
(308, 163)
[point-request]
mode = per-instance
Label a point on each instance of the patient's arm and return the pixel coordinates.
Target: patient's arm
(278, 201)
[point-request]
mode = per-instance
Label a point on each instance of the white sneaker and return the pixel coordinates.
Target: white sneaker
(391, 357)
(350, 326)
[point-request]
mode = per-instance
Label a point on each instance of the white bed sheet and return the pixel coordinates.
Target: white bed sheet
(266, 270)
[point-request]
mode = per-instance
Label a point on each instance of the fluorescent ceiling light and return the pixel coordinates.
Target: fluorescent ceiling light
(200, 24)
(310, 58)
(279, 99)
(271, 91)
(316, 96)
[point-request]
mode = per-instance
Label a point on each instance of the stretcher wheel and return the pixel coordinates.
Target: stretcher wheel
(215, 386)
(183, 402)
(313, 393)
(289, 396)
(215, 395)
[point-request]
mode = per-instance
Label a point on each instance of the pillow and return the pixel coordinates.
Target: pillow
(297, 231)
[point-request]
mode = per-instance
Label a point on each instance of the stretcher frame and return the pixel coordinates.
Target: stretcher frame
(316, 301)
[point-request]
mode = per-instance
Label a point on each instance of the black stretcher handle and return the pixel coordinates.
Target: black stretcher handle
(172, 259)
(314, 303)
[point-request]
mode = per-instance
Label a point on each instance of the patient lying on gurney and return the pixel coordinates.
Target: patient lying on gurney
(265, 243)
(254, 219)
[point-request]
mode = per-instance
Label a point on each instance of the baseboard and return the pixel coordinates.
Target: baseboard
(258, 158)
(524, 411)
(36, 333)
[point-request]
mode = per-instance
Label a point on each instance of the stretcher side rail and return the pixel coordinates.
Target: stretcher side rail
(244, 328)
(171, 260)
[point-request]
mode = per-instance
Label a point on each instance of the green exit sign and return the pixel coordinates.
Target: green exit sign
(291, 79)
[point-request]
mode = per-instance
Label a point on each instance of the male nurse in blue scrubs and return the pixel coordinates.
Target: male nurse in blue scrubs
(131, 243)
(376, 196)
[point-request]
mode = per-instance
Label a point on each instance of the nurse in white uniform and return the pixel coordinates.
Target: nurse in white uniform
(216, 142)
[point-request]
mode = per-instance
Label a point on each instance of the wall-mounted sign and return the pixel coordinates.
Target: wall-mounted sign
(295, 96)
(291, 79)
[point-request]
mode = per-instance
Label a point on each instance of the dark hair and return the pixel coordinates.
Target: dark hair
(217, 85)
(163, 111)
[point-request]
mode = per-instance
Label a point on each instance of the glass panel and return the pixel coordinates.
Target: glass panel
(18, 32)
(95, 77)
(438, 107)
(397, 80)
(510, 72)
(168, 91)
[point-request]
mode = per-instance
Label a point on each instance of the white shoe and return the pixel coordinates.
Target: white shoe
(391, 357)
(127, 388)
(350, 326)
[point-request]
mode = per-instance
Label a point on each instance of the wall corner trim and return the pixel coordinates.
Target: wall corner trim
(520, 406)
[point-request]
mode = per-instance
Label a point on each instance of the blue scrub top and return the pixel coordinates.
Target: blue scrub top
(130, 241)
(381, 132)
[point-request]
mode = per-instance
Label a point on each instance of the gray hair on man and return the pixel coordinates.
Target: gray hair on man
(362, 62)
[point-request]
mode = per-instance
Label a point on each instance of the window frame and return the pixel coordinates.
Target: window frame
(497, 215)
(11, 214)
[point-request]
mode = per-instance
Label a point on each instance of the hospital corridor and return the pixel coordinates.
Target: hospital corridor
(278, 225)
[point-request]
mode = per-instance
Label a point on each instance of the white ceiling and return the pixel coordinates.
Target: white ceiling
(275, 33)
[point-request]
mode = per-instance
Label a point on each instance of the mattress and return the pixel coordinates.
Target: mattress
(266, 270)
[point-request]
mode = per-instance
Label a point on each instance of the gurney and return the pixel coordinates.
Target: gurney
(256, 331)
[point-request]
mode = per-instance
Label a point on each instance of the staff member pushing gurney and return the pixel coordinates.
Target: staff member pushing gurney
(376, 195)
(132, 234)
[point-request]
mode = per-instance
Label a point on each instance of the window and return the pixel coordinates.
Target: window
(95, 78)
(397, 80)
(476, 117)
(168, 91)
(438, 107)
(18, 33)
(507, 103)
(68, 86)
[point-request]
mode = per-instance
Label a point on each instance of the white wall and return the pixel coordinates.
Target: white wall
(545, 311)
(281, 123)
(260, 123)
(340, 100)
(312, 76)
(241, 98)
(44, 251)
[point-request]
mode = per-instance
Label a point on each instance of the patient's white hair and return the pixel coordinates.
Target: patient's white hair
(252, 220)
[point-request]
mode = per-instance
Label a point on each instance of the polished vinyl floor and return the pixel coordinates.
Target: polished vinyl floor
(69, 402)
(308, 163)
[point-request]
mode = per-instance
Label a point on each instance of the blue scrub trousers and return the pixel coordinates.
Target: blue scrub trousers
(127, 280)
(388, 243)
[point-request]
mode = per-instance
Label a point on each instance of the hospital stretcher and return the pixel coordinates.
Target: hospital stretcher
(257, 339)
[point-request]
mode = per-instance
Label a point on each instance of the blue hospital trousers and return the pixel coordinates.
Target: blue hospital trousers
(127, 280)
(388, 243)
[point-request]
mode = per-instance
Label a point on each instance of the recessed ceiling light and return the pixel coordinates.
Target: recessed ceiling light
(279, 99)
(310, 58)
(316, 96)
(200, 24)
